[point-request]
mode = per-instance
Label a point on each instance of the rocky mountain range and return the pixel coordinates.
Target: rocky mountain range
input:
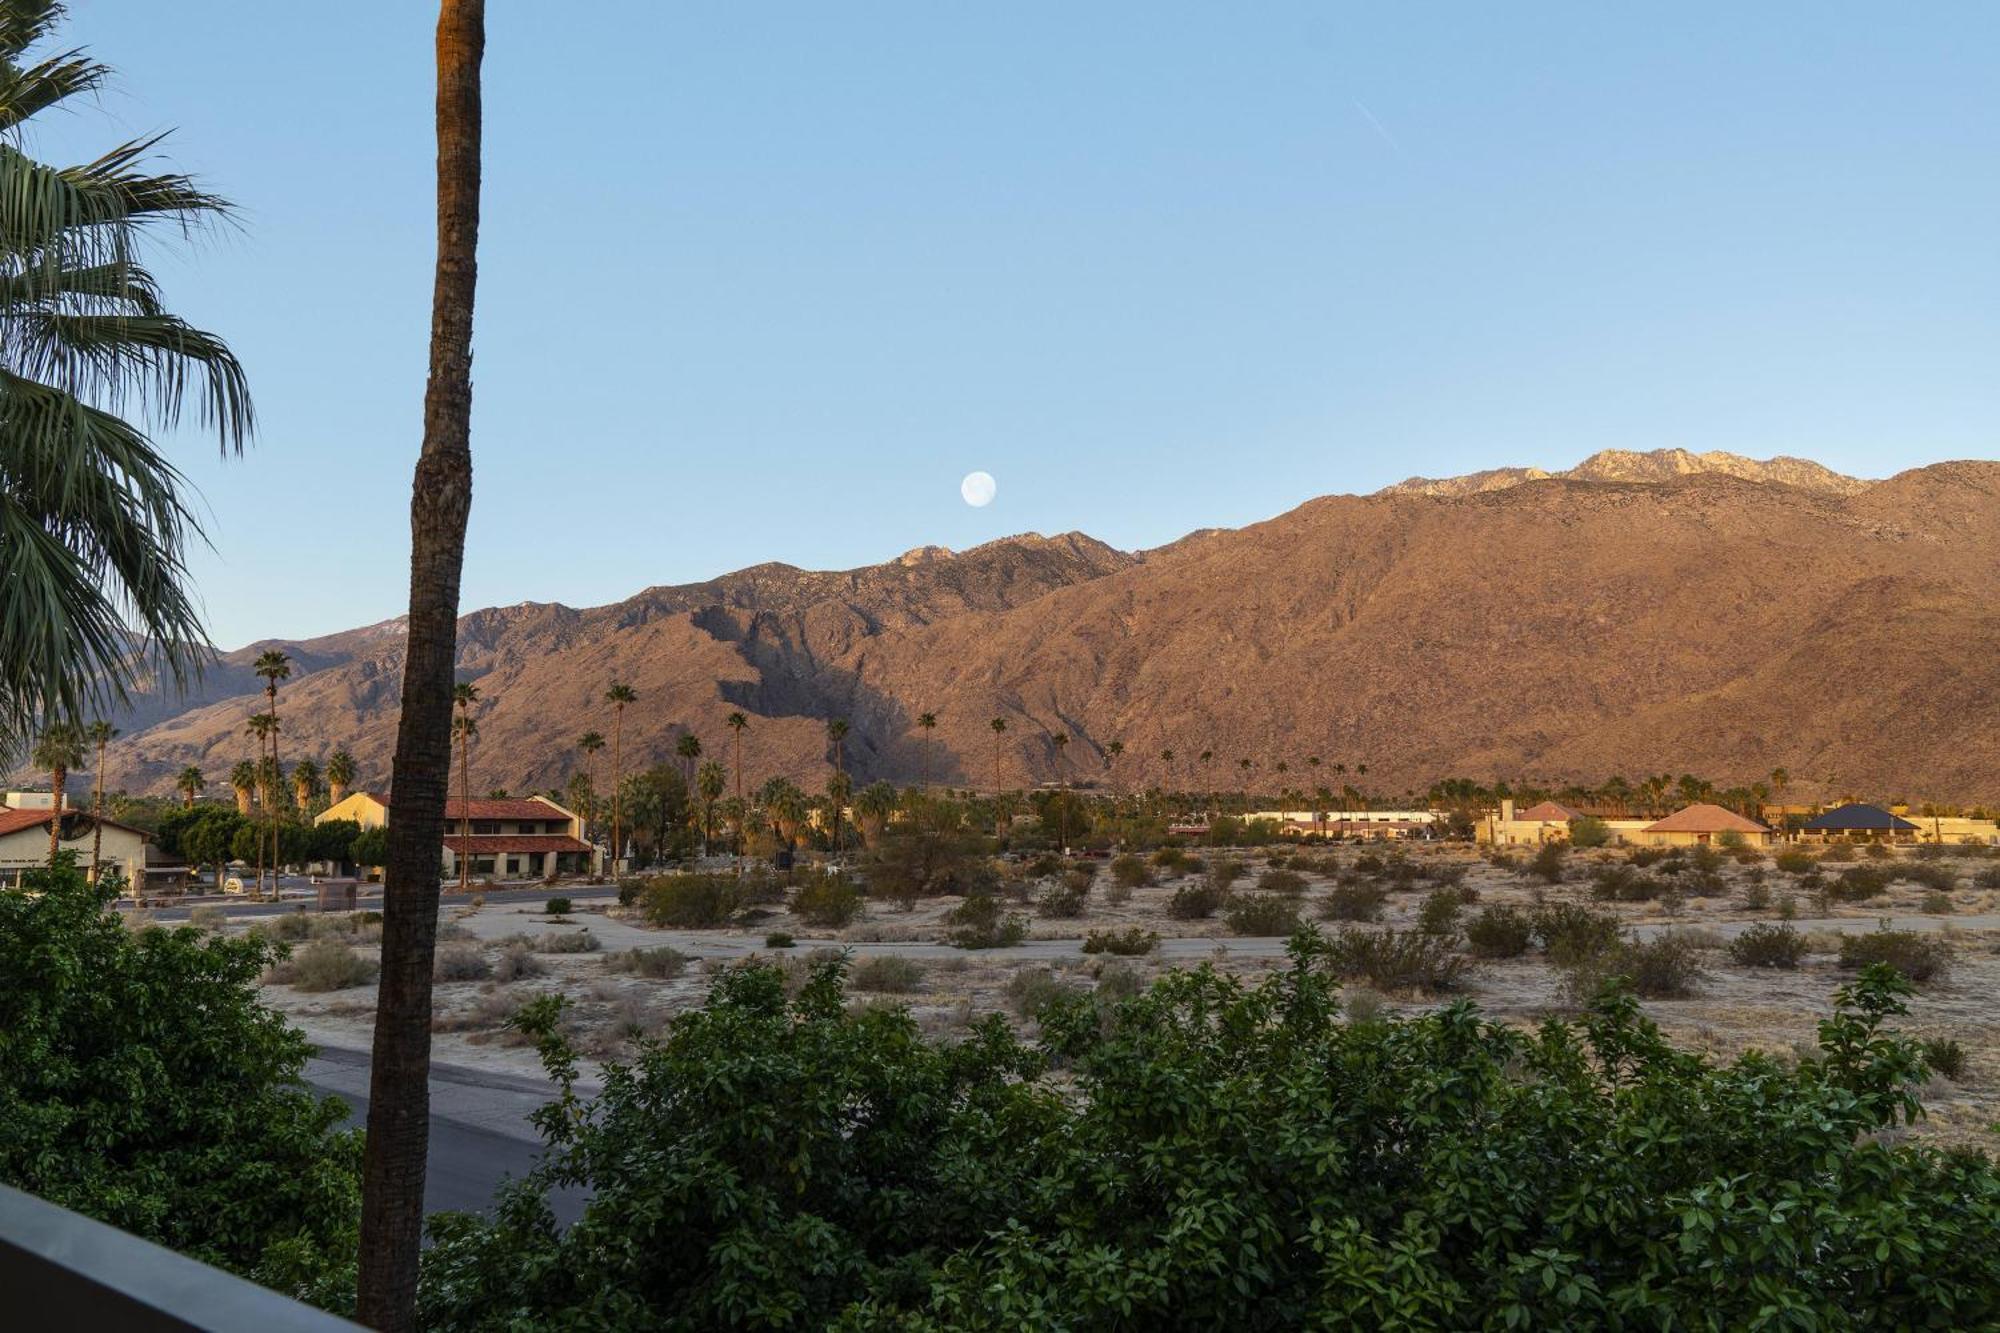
(1635, 614)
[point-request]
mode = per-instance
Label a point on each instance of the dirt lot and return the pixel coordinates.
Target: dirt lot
(508, 953)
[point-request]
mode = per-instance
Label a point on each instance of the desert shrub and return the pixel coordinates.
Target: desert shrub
(556, 907)
(1031, 990)
(1129, 943)
(1261, 914)
(1223, 872)
(887, 974)
(1793, 861)
(1568, 932)
(1837, 851)
(1286, 882)
(1765, 945)
(1622, 884)
(1368, 863)
(826, 903)
(1547, 863)
(691, 902)
(779, 939)
(1354, 902)
(1170, 859)
(460, 962)
(1666, 967)
(1917, 956)
(1115, 981)
(1988, 878)
(1937, 903)
(1756, 896)
(1943, 1057)
(1589, 831)
(208, 917)
(1046, 865)
(1066, 897)
(1858, 884)
(1397, 960)
(1195, 902)
(1129, 871)
(1499, 932)
(289, 927)
(630, 890)
(659, 964)
(1931, 875)
(1641, 857)
(980, 922)
(566, 941)
(1012, 1186)
(1364, 1006)
(1440, 910)
(1875, 851)
(516, 962)
(324, 965)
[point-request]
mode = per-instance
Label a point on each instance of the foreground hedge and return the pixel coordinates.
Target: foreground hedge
(1222, 1156)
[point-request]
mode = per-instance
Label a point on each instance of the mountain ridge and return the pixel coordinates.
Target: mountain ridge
(1685, 618)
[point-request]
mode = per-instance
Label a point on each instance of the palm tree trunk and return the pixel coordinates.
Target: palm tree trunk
(277, 776)
(97, 818)
(464, 814)
(617, 767)
(392, 1186)
(58, 780)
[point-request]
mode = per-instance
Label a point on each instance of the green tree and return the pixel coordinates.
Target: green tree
(94, 529)
(305, 784)
(392, 1212)
(189, 784)
(59, 750)
(141, 1083)
(99, 734)
(590, 743)
(243, 781)
(927, 723)
(710, 782)
(999, 728)
(464, 727)
(618, 696)
(873, 806)
(738, 723)
(836, 735)
(272, 667)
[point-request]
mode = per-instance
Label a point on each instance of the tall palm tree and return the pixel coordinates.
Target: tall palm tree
(838, 788)
(999, 726)
(927, 723)
(590, 743)
(709, 782)
(1207, 757)
(392, 1185)
(243, 779)
(1061, 741)
(1114, 749)
(618, 696)
(339, 776)
(272, 666)
(1167, 759)
(836, 733)
(688, 747)
(100, 734)
(91, 513)
(305, 784)
(264, 726)
(738, 724)
(189, 785)
(464, 694)
(58, 751)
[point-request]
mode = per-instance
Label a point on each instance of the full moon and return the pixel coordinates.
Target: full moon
(978, 488)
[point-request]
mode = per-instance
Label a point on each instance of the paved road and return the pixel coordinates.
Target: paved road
(480, 1133)
(370, 898)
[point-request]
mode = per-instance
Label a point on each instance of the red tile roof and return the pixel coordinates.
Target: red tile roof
(1704, 819)
(487, 844)
(1551, 812)
(13, 821)
(512, 807)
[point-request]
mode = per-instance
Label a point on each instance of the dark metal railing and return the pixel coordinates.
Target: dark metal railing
(60, 1269)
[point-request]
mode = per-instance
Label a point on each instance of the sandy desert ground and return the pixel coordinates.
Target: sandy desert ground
(522, 952)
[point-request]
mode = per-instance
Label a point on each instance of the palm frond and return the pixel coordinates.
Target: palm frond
(24, 92)
(110, 359)
(25, 22)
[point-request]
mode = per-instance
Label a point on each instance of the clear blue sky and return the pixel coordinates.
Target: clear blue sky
(763, 281)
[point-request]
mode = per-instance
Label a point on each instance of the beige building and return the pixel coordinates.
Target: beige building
(1696, 825)
(124, 850)
(506, 837)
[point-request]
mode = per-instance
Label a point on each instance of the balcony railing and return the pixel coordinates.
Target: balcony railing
(59, 1269)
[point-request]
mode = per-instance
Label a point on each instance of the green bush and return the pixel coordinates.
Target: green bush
(1223, 872)
(556, 907)
(887, 975)
(691, 902)
(208, 917)
(1666, 967)
(1795, 862)
(1131, 942)
(1354, 902)
(1065, 898)
(1569, 933)
(1547, 863)
(826, 903)
(1589, 831)
(143, 1084)
(1032, 990)
(1261, 914)
(630, 890)
(742, 1165)
(1623, 884)
(1858, 884)
(1170, 859)
(1933, 876)
(1440, 910)
(981, 923)
(1919, 957)
(660, 963)
(1195, 902)
(779, 939)
(1499, 932)
(1397, 960)
(1765, 945)
(1943, 1057)
(1988, 878)
(517, 962)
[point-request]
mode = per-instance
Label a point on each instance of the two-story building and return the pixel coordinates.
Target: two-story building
(513, 837)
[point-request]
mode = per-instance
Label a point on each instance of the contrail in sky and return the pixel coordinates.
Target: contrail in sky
(1387, 137)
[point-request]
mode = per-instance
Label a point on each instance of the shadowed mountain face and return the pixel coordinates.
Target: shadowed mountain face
(1640, 615)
